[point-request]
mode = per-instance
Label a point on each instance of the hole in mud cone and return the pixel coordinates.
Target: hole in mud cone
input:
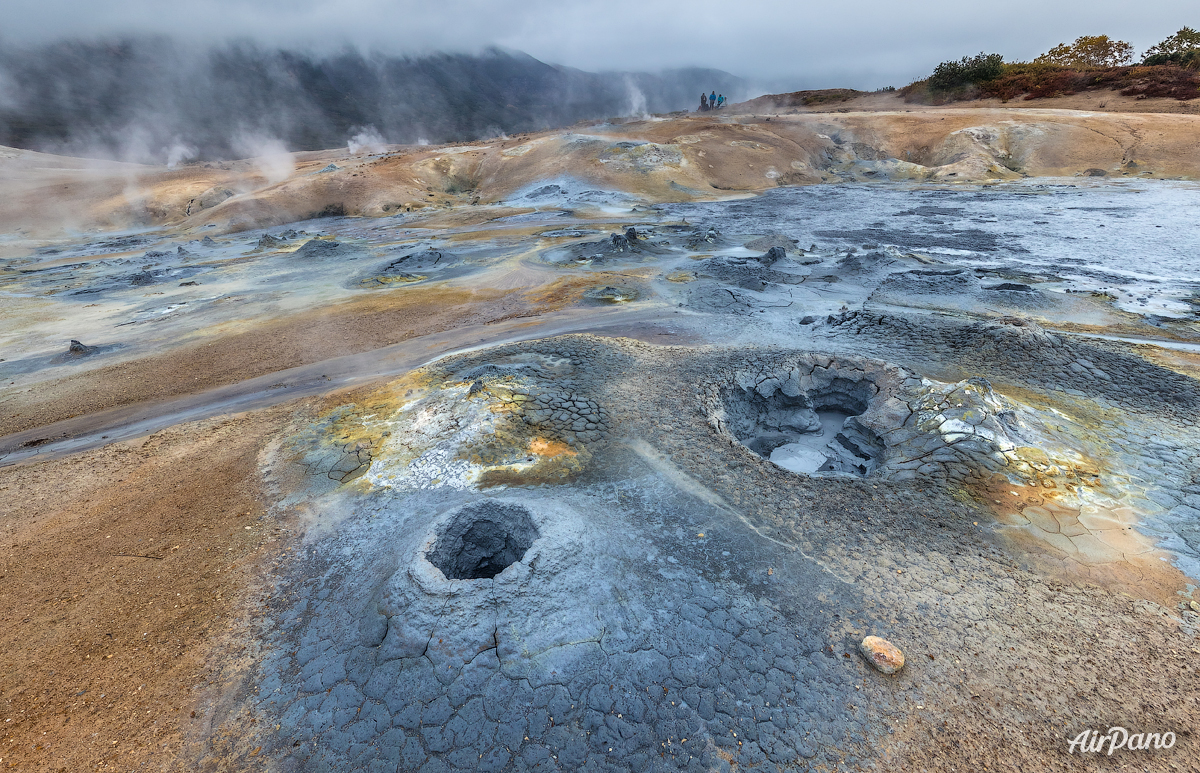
(481, 540)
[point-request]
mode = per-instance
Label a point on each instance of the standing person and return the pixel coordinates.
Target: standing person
(703, 103)
(712, 99)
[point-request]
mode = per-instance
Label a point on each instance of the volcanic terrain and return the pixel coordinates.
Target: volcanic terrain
(603, 448)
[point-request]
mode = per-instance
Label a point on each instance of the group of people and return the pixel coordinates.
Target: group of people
(713, 101)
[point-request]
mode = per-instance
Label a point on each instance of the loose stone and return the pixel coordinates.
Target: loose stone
(881, 653)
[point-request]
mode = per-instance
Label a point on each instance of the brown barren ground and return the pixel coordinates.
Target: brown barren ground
(750, 147)
(266, 347)
(120, 568)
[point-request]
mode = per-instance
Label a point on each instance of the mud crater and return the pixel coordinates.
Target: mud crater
(810, 432)
(812, 413)
(482, 540)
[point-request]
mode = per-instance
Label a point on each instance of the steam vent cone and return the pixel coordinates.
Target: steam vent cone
(482, 540)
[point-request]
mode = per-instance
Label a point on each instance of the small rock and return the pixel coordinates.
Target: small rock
(78, 348)
(881, 653)
(773, 256)
(188, 284)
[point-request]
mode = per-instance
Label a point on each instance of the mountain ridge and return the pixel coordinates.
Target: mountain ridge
(149, 100)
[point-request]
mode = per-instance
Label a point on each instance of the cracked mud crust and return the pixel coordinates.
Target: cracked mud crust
(729, 613)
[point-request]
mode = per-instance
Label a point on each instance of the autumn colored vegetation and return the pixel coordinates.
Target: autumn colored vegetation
(1170, 69)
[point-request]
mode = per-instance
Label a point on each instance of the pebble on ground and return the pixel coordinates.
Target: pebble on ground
(881, 653)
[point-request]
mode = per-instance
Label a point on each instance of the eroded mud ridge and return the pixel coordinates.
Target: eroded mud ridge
(684, 603)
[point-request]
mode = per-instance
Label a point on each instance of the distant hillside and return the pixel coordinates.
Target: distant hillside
(148, 99)
(1169, 69)
(810, 98)
(1041, 81)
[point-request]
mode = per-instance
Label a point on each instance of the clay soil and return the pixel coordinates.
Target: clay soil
(121, 568)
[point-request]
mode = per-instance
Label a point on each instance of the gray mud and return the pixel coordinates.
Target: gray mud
(685, 604)
(1133, 238)
(585, 552)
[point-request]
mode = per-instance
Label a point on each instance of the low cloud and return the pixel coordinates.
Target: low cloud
(877, 42)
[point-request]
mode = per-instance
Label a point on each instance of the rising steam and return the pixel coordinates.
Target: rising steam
(270, 155)
(156, 100)
(367, 140)
(637, 99)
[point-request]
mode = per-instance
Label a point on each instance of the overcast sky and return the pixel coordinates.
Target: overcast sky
(862, 44)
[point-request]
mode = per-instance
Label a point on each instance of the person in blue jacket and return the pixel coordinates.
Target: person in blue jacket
(712, 98)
